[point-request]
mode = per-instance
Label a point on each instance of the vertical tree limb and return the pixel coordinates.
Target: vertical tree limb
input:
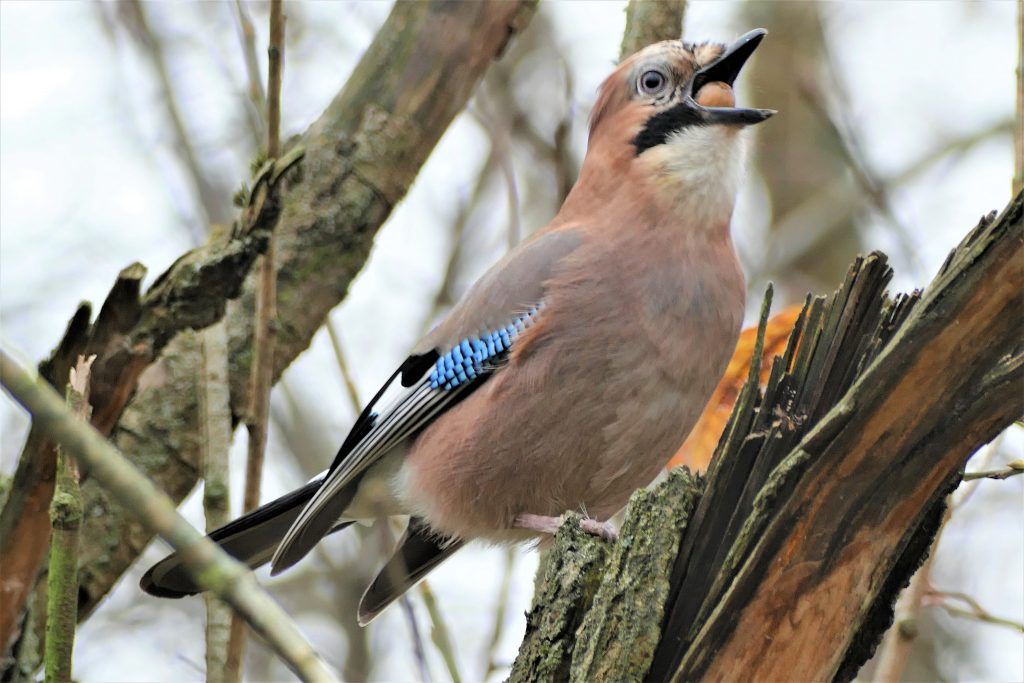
(215, 417)
(66, 517)
(651, 21)
(214, 569)
(264, 327)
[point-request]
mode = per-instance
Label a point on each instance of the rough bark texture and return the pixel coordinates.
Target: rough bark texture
(612, 643)
(361, 156)
(827, 487)
(651, 21)
(572, 575)
(126, 337)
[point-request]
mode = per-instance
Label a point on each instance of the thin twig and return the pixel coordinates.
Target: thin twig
(439, 634)
(966, 492)
(491, 654)
(418, 652)
(215, 419)
(265, 329)
(397, 577)
(212, 568)
(501, 145)
(899, 639)
(851, 149)
(209, 194)
(257, 97)
(346, 375)
(446, 293)
(1012, 469)
(938, 598)
(66, 518)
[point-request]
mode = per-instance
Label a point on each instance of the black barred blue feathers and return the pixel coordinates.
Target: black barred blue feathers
(466, 360)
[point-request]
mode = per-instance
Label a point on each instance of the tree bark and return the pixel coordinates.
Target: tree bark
(651, 21)
(361, 156)
(825, 491)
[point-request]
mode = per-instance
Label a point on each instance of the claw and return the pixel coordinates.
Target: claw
(549, 525)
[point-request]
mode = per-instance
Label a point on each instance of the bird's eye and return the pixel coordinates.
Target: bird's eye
(652, 82)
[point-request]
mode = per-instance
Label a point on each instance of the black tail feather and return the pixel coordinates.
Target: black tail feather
(251, 539)
(419, 551)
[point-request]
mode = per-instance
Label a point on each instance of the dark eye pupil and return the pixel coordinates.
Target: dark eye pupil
(652, 80)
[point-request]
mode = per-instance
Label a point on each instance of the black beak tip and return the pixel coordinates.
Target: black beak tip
(728, 65)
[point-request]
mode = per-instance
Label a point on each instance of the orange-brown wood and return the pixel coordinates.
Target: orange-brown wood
(907, 427)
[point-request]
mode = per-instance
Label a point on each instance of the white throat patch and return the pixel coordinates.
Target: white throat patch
(701, 168)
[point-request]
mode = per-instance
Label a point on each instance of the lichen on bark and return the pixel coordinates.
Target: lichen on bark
(577, 562)
(613, 644)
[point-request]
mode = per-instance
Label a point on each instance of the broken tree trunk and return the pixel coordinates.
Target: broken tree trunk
(822, 497)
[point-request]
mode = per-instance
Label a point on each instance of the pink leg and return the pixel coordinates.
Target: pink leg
(549, 525)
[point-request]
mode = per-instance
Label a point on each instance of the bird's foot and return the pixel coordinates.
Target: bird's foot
(549, 525)
(605, 530)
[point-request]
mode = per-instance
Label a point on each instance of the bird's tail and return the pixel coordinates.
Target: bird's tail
(251, 539)
(419, 551)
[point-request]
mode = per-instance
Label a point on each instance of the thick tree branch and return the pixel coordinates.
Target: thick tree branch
(361, 156)
(651, 21)
(869, 475)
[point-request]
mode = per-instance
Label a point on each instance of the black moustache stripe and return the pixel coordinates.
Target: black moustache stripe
(661, 125)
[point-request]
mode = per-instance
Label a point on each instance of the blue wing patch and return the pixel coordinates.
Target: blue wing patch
(475, 355)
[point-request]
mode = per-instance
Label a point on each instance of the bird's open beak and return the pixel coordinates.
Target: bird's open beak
(725, 69)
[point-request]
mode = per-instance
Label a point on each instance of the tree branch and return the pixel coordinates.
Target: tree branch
(214, 569)
(215, 417)
(261, 375)
(129, 333)
(361, 156)
(66, 519)
(651, 21)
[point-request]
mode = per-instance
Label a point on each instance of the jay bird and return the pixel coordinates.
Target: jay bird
(570, 372)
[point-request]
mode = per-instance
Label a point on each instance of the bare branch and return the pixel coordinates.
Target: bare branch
(211, 196)
(439, 634)
(215, 417)
(257, 98)
(212, 568)
(651, 21)
(1012, 469)
(261, 375)
(66, 517)
(938, 598)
